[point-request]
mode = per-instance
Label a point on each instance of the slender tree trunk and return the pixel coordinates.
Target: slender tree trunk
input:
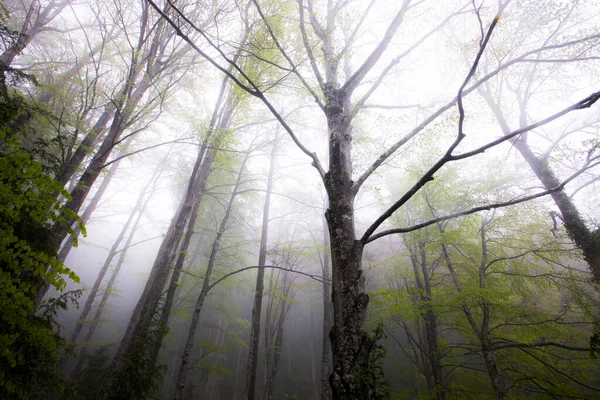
(140, 207)
(212, 386)
(147, 305)
(258, 293)
(183, 251)
(185, 358)
(327, 319)
(482, 331)
(585, 239)
(275, 331)
(433, 356)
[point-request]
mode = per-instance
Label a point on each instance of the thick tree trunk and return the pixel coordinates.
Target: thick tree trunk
(258, 293)
(350, 354)
(185, 358)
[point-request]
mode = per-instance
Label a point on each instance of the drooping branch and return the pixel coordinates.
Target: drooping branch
(221, 279)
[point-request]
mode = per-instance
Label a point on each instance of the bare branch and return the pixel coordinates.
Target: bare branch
(221, 279)
(376, 54)
(368, 239)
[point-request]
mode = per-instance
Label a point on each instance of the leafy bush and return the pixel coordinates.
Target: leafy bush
(30, 346)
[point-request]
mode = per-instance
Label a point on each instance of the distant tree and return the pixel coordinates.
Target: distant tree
(315, 51)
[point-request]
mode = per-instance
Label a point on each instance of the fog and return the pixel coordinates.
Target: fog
(306, 199)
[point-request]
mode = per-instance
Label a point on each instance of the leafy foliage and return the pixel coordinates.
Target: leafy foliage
(373, 377)
(29, 342)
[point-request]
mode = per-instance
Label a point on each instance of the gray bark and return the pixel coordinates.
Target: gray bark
(147, 305)
(183, 251)
(258, 293)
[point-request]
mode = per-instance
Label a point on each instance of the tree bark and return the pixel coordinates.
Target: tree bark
(183, 251)
(350, 355)
(147, 305)
(258, 293)
(587, 240)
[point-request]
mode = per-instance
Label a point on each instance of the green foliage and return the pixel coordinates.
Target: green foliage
(372, 378)
(29, 343)
(138, 377)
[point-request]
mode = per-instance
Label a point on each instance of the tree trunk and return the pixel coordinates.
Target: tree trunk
(585, 239)
(212, 387)
(183, 251)
(89, 209)
(36, 19)
(258, 294)
(350, 354)
(142, 315)
(185, 358)
(147, 305)
(140, 207)
(327, 319)
(88, 143)
(431, 357)
(275, 332)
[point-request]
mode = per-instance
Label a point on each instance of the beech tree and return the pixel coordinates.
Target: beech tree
(341, 92)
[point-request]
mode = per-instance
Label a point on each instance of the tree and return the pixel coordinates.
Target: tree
(334, 97)
(206, 285)
(150, 303)
(31, 345)
(260, 276)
